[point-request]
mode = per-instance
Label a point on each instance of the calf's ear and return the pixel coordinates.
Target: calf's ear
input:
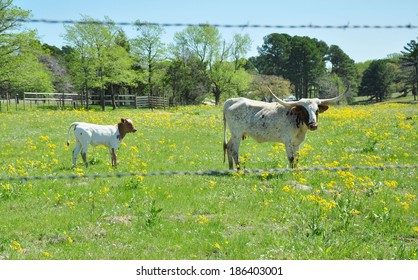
(322, 108)
(122, 120)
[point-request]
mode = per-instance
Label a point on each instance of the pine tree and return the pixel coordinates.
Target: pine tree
(376, 81)
(409, 63)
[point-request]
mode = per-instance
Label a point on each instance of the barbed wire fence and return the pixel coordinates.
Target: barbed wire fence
(272, 171)
(243, 26)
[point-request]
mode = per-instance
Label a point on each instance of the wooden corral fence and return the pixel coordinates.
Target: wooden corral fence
(152, 102)
(120, 100)
(45, 98)
(133, 101)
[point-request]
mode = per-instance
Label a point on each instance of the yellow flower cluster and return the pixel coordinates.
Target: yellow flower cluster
(323, 203)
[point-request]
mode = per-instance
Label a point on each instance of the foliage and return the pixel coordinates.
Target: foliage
(20, 69)
(376, 81)
(148, 52)
(204, 43)
(305, 64)
(54, 60)
(302, 61)
(341, 64)
(409, 63)
(188, 80)
(352, 214)
(98, 61)
(259, 88)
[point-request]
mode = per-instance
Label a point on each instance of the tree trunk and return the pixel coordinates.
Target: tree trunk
(217, 94)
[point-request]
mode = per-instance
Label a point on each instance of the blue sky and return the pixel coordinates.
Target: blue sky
(359, 44)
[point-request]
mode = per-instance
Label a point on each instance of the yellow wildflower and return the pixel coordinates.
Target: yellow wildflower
(202, 219)
(354, 212)
(16, 246)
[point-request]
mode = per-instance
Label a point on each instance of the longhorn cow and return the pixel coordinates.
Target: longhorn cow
(285, 122)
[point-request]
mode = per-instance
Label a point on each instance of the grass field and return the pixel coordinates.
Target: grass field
(358, 214)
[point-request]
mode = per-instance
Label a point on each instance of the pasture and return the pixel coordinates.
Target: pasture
(357, 214)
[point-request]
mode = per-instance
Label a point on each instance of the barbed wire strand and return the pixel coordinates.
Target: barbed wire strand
(247, 25)
(272, 171)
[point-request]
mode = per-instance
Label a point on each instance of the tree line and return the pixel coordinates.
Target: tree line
(198, 64)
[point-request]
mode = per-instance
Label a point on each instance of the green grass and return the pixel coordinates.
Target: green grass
(362, 214)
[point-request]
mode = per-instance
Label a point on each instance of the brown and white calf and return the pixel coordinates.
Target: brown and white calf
(93, 134)
(285, 122)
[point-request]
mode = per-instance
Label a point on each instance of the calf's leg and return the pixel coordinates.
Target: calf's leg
(113, 156)
(84, 154)
(76, 151)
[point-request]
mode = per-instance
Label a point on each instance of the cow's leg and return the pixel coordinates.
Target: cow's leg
(76, 151)
(229, 152)
(233, 152)
(292, 154)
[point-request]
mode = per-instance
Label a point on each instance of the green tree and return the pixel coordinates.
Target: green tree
(376, 81)
(54, 60)
(273, 55)
(341, 64)
(98, 61)
(20, 69)
(409, 64)
(260, 85)
(148, 51)
(306, 63)
(302, 61)
(188, 80)
(241, 45)
(205, 43)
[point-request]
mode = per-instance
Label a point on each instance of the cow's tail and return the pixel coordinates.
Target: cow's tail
(68, 132)
(225, 140)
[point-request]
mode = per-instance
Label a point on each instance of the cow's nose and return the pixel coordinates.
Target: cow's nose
(313, 126)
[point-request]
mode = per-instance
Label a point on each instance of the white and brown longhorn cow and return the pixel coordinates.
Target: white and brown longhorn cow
(285, 122)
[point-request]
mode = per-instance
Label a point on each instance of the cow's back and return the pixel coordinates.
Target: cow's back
(260, 120)
(243, 107)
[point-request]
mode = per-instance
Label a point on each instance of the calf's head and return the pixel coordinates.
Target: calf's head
(125, 126)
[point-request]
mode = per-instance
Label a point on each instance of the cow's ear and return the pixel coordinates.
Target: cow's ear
(297, 109)
(322, 108)
(122, 120)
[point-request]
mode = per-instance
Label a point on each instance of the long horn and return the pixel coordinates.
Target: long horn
(284, 103)
(334, 99)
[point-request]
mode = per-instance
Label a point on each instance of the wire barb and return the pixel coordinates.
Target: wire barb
(241, 26)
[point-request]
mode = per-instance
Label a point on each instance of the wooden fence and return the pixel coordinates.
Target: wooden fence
(45, 98)
(133, 101)
(120, 100)
(61, 99)
(152, 102)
